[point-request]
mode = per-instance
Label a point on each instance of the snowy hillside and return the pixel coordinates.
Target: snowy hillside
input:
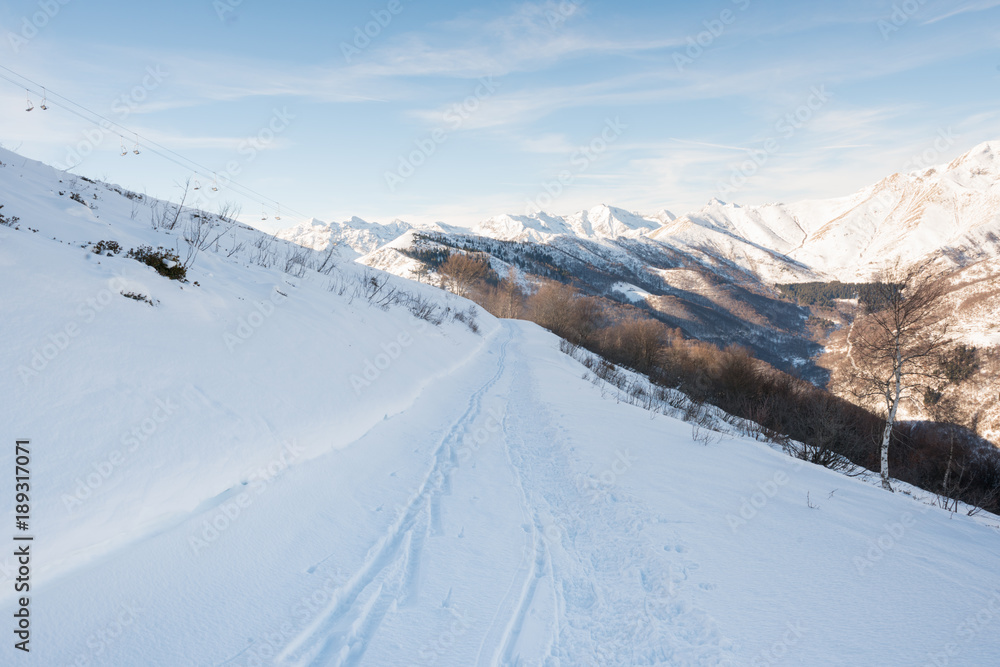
(264, 466)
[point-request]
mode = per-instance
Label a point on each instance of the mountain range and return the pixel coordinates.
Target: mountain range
(713, 273)
(951, 211)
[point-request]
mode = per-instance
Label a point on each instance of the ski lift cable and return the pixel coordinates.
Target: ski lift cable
(234, 185)
(200, 169)
(238, 187)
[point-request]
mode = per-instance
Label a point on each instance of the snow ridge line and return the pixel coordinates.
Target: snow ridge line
(333, 639)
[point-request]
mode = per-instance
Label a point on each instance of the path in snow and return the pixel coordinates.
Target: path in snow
(597, 587)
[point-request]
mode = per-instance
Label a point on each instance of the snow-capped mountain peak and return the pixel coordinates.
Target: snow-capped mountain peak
(600, 222)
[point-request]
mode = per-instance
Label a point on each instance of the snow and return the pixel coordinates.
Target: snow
(632, 292)
(346, 485)
(600, 222)
(905, 216)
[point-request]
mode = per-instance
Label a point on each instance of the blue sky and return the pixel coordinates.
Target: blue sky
(454, 113)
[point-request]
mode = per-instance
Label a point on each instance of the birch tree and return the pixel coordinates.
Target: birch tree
(896, 341)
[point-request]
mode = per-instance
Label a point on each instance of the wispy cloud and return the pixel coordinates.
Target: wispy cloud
(980, 6)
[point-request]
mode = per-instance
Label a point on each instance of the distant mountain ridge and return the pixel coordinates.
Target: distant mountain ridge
(950, 211)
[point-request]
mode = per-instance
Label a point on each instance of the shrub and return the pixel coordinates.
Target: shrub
(563, 311)
(468, 318)
(166, 262)
(424, 309)
(107, 247)
(960, 363)
(137, 297)
(8, 222)
(639, 341)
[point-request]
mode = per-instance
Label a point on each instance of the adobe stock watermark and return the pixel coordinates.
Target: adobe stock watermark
(453, 118)
(374, 367)
(249, 147)
(266, 649)
(892, 534)
(714, 29)
(247, 326)
(31, 25)
(55, 343)
(885, 199)
(556, 15)
(102, 470)
(230, 511)
(467, 445)
(472, 441)
(900, 16)
(580, 161)
(121, 108)
(766, 491)
(929, 157)
(786, 127)
(777, 652)
(600, 487)
(984, 619)
(430, 651)
(107, 635)
(364, 35)
(225, 7)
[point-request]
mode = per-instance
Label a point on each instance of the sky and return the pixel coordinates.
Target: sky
(446, 111)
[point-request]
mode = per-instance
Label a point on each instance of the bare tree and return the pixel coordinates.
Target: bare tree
(510, 297)
(463, 273)
(565, 312)
(171, 223)
(229, 211)
(504, 300)
(897, 339)
(327, 264)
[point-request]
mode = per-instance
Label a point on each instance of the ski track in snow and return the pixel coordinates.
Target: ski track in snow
(388, 576)
(622, 602)
(579, 592)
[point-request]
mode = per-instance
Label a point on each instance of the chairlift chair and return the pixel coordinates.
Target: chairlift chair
(30, 105)
(277, 216)
(43, 106)
(136, 149)
(215, 183)
(124, 150)
(263, 213)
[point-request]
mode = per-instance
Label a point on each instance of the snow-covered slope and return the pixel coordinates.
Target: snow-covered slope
(264, 468)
